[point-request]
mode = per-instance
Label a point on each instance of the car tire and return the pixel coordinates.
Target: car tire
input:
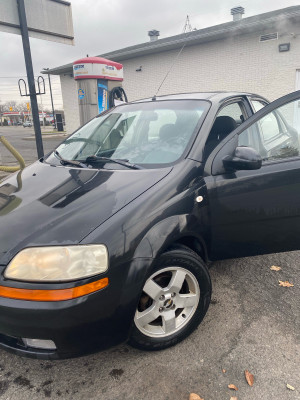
(174, 300)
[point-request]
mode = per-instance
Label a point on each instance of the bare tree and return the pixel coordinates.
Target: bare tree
(9, 104)
(21, 106)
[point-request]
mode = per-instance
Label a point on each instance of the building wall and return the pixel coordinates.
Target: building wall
(240, 63)
(70, 102)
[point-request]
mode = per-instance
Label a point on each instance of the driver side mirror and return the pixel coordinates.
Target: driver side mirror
(244, 158)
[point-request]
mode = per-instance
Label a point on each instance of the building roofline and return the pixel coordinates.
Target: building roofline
(258, 22)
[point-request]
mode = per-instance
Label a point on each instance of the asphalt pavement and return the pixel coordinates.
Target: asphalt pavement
(252, 324)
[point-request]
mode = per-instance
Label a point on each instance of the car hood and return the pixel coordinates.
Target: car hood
(50, 205)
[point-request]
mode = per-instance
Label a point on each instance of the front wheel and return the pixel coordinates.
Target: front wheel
(174, 301)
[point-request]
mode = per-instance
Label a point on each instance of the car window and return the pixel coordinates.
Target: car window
(227, 120)
(156, 132)
(276, 135)
(269, 126)
(258, 105)
(233, 110)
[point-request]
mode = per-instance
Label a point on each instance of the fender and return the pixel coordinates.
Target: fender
(168, 231)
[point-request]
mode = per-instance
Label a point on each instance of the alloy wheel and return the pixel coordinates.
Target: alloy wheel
(169, 300)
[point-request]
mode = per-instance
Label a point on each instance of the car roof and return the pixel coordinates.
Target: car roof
(212, 96)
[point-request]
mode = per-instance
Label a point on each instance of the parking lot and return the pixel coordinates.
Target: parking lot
(252, 324)
(23, 140)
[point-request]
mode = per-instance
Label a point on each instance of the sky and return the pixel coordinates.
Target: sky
(101, 26)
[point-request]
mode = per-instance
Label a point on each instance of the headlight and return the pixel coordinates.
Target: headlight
(58, 263)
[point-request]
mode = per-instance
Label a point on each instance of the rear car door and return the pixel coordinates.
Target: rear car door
(257, 211)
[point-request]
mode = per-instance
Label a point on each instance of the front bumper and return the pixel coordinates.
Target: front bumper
(78, 326)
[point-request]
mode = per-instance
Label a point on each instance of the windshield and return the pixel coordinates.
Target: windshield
(150, 133)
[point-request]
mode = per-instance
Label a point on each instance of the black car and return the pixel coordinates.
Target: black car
(107, 238)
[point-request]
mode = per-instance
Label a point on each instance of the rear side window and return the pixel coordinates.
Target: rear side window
(258, 105)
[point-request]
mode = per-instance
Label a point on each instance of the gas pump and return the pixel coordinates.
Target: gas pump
(99, 85)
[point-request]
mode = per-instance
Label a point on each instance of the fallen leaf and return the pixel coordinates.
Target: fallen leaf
(194, 396)
(233, 398)
(290, 387)
(233, 387)
(249, 378)
(274, 268)
(224, 371)
(285, 284)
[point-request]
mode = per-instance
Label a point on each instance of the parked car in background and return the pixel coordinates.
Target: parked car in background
(108, 238)
(27, 124)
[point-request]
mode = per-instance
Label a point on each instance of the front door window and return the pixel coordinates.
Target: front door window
(275, 136)
(227, 120)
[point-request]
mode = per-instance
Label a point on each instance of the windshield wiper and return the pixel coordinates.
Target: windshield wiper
(63, 161)
(125, 163)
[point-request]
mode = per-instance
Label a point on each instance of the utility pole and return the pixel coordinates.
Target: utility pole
(30, 77)
(54, 119)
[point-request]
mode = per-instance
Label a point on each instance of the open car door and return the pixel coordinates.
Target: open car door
(253, 184)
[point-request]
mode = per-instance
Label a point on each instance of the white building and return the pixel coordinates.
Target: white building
(259, 54)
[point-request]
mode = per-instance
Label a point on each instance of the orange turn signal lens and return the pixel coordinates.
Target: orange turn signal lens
(53, 294)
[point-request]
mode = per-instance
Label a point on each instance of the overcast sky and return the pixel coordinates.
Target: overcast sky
(104, 25)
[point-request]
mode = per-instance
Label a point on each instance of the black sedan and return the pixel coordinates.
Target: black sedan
(107, 238)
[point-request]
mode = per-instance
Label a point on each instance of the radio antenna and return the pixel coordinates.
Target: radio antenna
(170, 69)
(187, 26)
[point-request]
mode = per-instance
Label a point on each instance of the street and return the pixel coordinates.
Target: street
(252, 324)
